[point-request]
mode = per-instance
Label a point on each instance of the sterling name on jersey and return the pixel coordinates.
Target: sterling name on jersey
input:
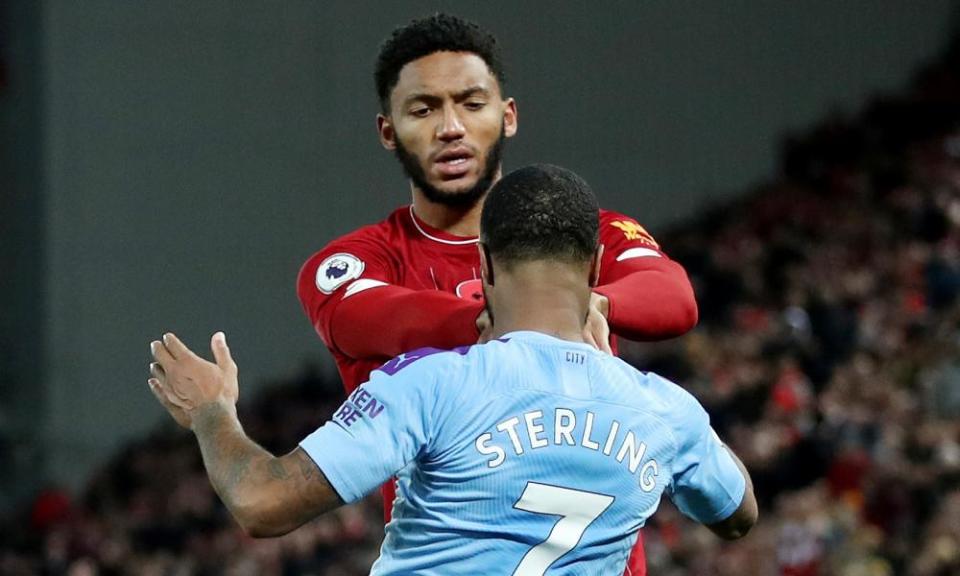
(527, 455)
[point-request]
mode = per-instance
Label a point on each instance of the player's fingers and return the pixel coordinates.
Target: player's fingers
(156, 370)
(605, 346)
(589, 339)
(169, 393)
(154, 385)
(176, 348)
(159, 394)
(179, 415)
(603, 338)
(160, 353)
(221, 352)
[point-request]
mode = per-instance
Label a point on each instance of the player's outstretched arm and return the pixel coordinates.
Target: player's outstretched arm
(745, 516)
(385, 322)
(346, 291)
(267, 495)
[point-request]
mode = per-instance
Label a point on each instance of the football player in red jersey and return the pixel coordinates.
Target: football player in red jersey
(413, 280)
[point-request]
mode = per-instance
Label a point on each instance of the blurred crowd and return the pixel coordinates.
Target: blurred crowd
(152, 512)
(828, 352)
(828, 355)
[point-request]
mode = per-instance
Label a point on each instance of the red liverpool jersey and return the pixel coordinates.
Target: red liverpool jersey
(400, 285)
(372, 262)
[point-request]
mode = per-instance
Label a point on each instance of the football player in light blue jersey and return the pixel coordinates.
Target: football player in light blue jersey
(531, 454)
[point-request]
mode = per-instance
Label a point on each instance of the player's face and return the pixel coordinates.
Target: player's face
(447, 125)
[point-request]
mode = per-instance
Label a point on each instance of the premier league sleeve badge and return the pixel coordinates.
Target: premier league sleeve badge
(337, 270)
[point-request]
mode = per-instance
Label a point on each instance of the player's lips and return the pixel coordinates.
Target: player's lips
(454, 163)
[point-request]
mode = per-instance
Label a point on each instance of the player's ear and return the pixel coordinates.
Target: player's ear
(595, 266)
(486, 264)
(510, 118)
(388, 136)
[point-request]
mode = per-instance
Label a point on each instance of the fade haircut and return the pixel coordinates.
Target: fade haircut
(424, 36)
(540, 212)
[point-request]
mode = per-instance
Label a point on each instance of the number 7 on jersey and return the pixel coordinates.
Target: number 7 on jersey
(577, 510)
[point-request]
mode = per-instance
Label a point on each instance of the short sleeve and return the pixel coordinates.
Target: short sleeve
(707, 484)
(383, 425)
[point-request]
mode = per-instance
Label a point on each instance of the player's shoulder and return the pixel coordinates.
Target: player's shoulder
(678, 406)
(346, 256)
(376, 233)
(423, 359)
(426, 372)
(657, 393)
(665, 388)
(618, 227)
(460, 364)
(607, 216)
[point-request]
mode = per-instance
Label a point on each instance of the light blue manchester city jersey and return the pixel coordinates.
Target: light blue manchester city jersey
(527, 455)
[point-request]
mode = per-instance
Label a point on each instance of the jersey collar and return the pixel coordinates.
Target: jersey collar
(439, 235)
(534, 336)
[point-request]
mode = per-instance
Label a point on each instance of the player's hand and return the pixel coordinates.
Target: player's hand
(484, 327)
(156, 377)
(596, 331)
(183, 382)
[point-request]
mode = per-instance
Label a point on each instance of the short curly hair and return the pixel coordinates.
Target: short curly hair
(540, 212)
(424, 36)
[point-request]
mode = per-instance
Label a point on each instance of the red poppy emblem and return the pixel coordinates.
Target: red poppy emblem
(470, 290)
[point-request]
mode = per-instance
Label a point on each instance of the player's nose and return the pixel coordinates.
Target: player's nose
(451, 128)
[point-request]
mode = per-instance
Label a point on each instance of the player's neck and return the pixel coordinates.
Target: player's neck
(458, 221)
(543, 297)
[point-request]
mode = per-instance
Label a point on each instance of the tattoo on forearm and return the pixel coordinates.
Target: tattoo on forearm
(227, 452)
(292, 488)
(308, 470)
(277, 470)
(238, 468)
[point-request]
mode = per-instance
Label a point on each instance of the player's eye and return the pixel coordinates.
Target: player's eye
(420, 111)
(474, 105)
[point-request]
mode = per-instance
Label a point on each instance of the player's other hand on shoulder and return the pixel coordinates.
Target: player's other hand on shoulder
(484, 327)
(183, 382)
(596, 331)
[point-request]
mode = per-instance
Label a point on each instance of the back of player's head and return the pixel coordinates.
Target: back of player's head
(424, 36)
(540, 212)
